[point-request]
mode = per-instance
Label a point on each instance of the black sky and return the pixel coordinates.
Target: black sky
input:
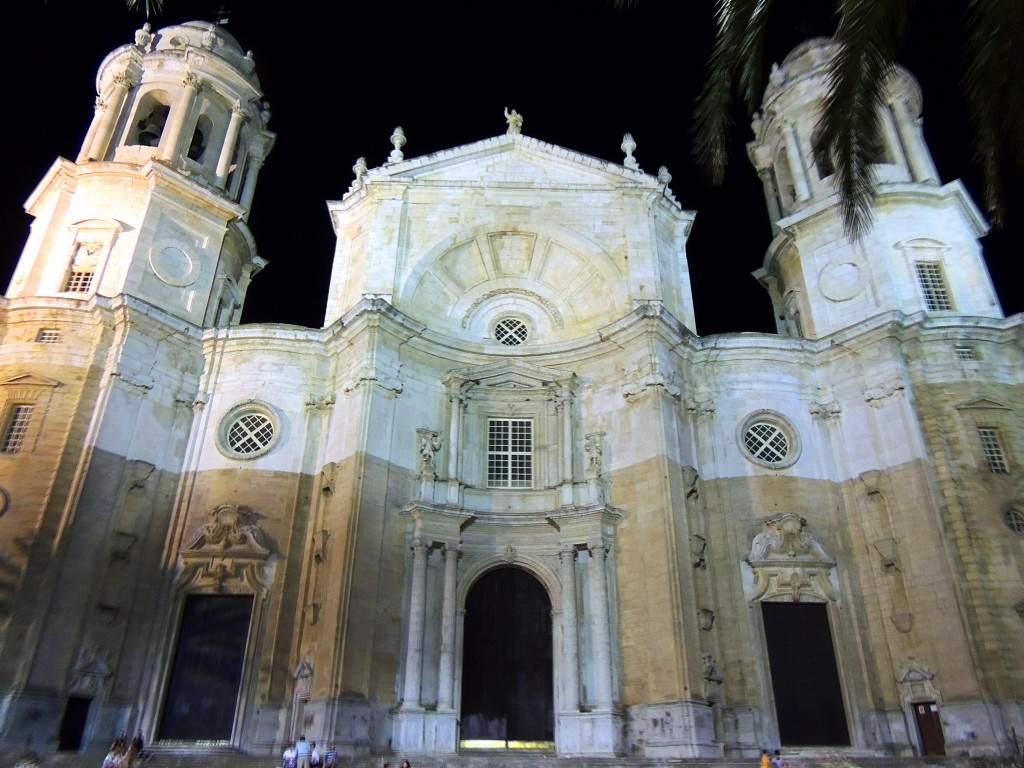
(341, 75)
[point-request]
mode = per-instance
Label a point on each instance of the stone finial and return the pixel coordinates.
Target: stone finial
(664, 177)
(359, 169)
(627, 146)
(249, 62)
(398, 141)
(515, 122)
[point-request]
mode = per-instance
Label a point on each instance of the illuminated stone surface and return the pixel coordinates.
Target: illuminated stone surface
(355, 481)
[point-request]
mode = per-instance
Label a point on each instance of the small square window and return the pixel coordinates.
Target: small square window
(47, 336)
(933, 286)
(992, 447)
(15, 428)
(966, 354)
(509, 453)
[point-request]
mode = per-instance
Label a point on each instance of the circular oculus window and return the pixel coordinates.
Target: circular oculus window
(768, 439)
(249, 431)
(1014, 519)
(511, 331)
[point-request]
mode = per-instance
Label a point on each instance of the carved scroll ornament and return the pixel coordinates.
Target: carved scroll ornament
(788, 564)
(227, 554)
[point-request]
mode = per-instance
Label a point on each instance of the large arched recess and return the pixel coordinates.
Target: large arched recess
(507, 661)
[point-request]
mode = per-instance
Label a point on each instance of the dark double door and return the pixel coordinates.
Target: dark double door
(507, 677)
(805, 679)
(202, 694)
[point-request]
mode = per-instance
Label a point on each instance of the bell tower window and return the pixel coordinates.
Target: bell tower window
(151, 118)
(933, 286)
(510, 453)
(82, 270)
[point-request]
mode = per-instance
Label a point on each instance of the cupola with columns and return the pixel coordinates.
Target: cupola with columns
(156, 203)
(921, 253)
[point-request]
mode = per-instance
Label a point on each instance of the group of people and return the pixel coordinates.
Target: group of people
(122, 753)
(306, 754)
(773, 761)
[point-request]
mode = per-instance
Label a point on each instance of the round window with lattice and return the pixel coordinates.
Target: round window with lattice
(511, 331)
(1014, 519)
(768, 439)
(248, 431)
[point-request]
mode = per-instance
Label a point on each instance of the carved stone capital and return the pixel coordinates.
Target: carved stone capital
(826, 411)
(647, 378)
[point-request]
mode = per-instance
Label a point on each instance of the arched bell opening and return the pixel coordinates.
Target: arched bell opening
(150, 119)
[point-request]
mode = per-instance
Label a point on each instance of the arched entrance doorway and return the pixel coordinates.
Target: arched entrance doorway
(507, 677)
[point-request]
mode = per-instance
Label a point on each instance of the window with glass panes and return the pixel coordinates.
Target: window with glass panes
(933, 286)
(509, 453)
(992, 447)
(16, 428)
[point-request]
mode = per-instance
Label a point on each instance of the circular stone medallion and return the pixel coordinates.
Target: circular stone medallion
(842, 281)
(173, 266)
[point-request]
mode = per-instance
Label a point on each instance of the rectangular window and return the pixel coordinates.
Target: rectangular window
(47, 336)
(18, 419)
(509, 453)
(79, 280)
(933, 285)
(966, 354)
(992, 447)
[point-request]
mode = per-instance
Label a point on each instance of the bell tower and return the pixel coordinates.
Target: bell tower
(156, 203)
(921, 253)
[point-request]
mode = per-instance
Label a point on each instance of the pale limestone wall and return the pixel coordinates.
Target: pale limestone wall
(102, 469)
(575, 240)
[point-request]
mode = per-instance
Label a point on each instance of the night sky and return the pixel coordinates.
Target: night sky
(340, 76)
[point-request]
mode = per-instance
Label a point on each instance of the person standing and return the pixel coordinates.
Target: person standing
(314, 756)
(766, 760)
(331, 756)
(778, 761)
(302, 752)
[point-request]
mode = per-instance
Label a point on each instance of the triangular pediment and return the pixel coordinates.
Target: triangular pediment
(511, 374)
(513, 160)
(30, 380)
(983, 403)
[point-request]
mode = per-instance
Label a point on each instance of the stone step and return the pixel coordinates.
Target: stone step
(199, 756)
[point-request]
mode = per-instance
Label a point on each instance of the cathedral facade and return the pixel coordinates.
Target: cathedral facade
(505, 497)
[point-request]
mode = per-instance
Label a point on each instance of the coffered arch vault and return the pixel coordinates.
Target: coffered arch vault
(558, 281)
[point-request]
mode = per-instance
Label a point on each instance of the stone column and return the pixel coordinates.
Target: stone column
(414, 649)
(570, 635)
(98, 139)
(249, 187)
(190, 85)
(920, 162)
(599, 626)
(228, 150)
(796, 162)
(457, 397)
(771, 196)
(446, 671)
(563, 406)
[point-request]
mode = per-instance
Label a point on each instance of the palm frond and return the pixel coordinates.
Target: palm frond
(738, 48)
(849, 129)
(993, 88)
(151, 7)
(751, 64)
